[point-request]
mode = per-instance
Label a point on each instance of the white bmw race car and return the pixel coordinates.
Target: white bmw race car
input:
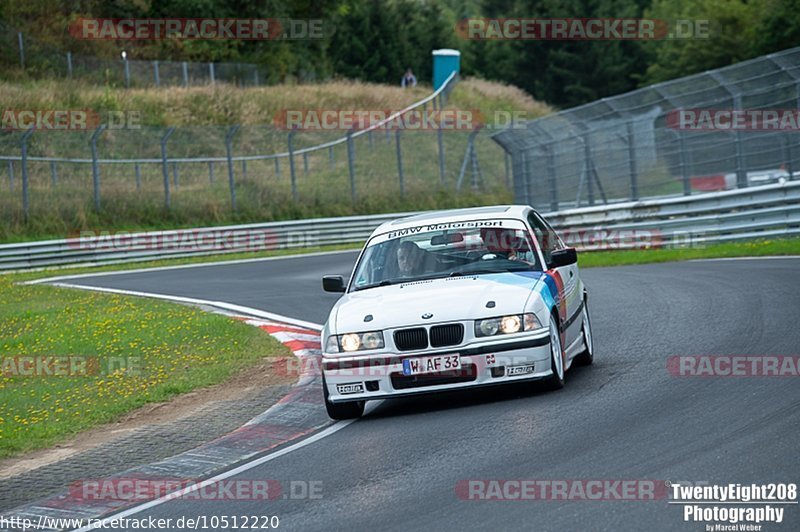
(454, 299)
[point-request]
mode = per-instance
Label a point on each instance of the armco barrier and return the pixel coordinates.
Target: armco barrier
(768, 211)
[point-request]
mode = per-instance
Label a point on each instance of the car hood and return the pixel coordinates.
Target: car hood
(448, 299)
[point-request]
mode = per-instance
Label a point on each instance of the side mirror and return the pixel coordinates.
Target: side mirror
(563, 257)
(333, 283)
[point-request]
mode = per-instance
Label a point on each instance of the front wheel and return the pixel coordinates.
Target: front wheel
(351, 410)
(556, 380)
(586, 357)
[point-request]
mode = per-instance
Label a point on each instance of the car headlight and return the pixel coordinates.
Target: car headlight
(511, 324)
(354, 342)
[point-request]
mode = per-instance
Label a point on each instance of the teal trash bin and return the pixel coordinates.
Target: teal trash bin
(445, 62)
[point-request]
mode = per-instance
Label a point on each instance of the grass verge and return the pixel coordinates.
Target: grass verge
(94, 357)
(755, 248)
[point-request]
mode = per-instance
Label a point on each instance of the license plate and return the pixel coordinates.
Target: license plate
(431, 364)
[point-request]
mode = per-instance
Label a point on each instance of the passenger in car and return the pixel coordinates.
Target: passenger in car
(412, 260)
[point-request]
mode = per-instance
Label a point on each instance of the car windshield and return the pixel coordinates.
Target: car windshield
(445, 250)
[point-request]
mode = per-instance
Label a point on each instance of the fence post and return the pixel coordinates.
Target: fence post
(290, 141)
(787, 155)
(463, 169)
(440, 142)
(211, 172)
(244, 169)
(351, 161)
(185, 71)
(229, 150)
(156, 74)
(164, 166)
(525, 179)
(211, 72)
(506, 156)
(21, 50)
(11, 175)
(587, 164)
(551, 177)
(277, 167)
(255, 77)
(687, 186)
(24, 150)
(741, 171)
(632, 163)
(127, 73)
(96, 166)
(69, 64)
(53, 174)
(138, 172)
(399, 162)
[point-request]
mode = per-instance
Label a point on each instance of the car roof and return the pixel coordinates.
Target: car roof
(455, 215)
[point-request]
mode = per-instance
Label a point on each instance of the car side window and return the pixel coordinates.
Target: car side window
(545, 235)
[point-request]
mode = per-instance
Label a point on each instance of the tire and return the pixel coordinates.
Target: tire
(556, 380)
(586, 357)
(351, 410)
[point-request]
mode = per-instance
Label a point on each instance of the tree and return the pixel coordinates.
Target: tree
(732, 23)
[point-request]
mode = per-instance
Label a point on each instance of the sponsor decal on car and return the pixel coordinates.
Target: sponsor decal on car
(350, 387)
(519, 370)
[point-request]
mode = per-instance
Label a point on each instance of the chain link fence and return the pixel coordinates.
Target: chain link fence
(631, 146)
(38, 59)
(250, 169)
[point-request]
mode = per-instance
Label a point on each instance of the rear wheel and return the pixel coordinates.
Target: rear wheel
(556, 380)
(586, 357)
(351, 410)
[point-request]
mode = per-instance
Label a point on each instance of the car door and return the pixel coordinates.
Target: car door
(566, 277)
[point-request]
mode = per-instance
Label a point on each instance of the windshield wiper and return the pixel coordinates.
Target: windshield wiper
(385, 282)
(485, 270)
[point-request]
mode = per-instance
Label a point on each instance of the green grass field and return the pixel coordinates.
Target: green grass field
(118, 353)
(755, 248)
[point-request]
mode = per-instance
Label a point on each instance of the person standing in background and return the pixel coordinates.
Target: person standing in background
(409, 79)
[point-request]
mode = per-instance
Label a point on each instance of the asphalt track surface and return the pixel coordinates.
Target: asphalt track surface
(625, 417)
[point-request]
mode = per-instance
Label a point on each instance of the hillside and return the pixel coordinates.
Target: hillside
(61, 198)
(227, 105)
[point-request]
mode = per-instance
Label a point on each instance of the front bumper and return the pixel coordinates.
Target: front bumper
(380, 375)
